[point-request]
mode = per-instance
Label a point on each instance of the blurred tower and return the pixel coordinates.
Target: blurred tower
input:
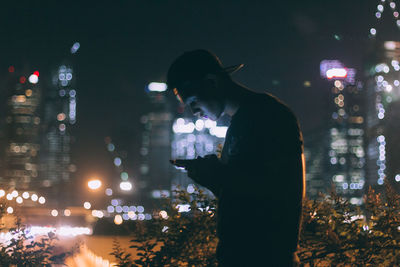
(346, 134)
(59, 116)
(155, 169)
(383, 89)
(317, 162)
(383, 95)
(22, 134)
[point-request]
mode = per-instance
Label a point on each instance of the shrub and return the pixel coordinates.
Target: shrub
(334, 232)
(24, 250)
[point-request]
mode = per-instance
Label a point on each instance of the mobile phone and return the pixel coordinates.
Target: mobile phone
(182, 163)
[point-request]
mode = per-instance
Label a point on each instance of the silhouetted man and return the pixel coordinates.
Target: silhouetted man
(259, 179)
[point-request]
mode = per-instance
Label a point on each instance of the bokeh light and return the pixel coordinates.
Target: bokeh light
(125, 186)
(118, 219)
(87, 205)
(94, 184)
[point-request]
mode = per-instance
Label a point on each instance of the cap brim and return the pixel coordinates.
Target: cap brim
(233, 69)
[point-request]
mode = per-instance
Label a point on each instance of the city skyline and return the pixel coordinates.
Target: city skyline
(112, 92)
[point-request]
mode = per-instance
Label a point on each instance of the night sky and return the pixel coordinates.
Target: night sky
(126, 44)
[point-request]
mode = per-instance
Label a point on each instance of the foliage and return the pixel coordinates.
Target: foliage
(334, 232)
(24, 250)
(123, 258)
(341, 234)
(178, 238)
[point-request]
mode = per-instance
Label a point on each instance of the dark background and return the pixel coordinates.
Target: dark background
(126, 44)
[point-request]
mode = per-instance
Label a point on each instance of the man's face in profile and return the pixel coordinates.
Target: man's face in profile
(204, 102)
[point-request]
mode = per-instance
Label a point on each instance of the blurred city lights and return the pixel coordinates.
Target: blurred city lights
(140, 209)
(67, 212)
(54, 213)
(94, 184)
(115, 202)
(19, 200)
(110, 147)
(219, 131)
(183, 207)
(61, 231)
(131, 214)
(33, 78)
(163, 214)
(87, 205)
(117, 161)
(126, 186)
(42, 200)
(61, 117)
(9, 197)
(124, 176)
(10, 210)
(34, 197)
(14, 193)
(157, 87)
(390, 45)
(25, 195)
(97, 213)
(199, 125)
(109, 192)
(110, 209)
(118, 209)
(2, 193)
(118, 219)
(75, 47)
(336, 73)
(190, 189)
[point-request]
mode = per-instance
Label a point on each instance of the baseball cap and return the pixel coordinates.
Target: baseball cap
(194, 66)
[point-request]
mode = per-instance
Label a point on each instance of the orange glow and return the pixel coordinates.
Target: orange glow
(303, 163)
(178, 95)
(61, 117)
(94, 184)
(20, 99)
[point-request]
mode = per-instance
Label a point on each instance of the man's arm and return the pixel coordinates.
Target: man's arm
(202, 171)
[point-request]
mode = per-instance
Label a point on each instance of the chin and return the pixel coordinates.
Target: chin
(213, 117)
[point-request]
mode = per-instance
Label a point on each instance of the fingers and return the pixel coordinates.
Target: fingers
(183, 163)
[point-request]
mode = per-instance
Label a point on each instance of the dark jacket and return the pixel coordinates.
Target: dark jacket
(259, 182)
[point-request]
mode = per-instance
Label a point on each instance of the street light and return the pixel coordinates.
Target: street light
(94, 184)
(125, 186)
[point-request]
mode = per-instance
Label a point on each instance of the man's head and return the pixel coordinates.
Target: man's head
(198, 79)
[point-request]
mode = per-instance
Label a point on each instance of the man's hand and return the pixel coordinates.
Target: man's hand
(197, 168)
(182, 163)
(204, 171)
(190, 165)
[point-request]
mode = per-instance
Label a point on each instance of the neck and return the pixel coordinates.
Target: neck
(238, 94)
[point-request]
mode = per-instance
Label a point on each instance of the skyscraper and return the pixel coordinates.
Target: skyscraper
(155, 170)
(22, 134)
(346, 134)
(383, 95)
(59, 117)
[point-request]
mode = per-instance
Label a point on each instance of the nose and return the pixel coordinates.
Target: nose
(196, 112)
(194, 108)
